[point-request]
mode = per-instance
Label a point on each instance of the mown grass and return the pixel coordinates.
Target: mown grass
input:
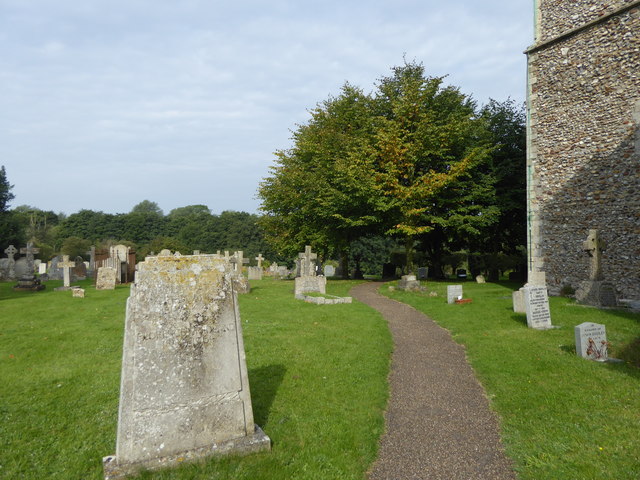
(562, 417)
(318, 379)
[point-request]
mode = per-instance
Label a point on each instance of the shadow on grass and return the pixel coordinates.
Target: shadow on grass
(519, 318)
(264, 383)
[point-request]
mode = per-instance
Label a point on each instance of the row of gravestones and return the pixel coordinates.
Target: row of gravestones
(533, 300)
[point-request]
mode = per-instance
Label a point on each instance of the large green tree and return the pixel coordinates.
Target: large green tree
(10, 228)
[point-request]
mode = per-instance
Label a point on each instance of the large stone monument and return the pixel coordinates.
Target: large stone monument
(308, 281)
(596, 291)
(184, 391)
(28, 281)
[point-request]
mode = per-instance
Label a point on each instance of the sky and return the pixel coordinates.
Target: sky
(104, 104)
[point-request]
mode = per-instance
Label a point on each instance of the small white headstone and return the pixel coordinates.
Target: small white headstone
(518, 301)
(329, 270)
(536, 304)
(591, 341)
(454, 292)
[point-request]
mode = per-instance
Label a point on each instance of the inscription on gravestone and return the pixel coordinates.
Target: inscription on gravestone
(184, 385)
(591, 341)
(536, 304)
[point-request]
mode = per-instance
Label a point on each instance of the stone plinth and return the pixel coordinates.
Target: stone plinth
(310, 284)
(184, 386)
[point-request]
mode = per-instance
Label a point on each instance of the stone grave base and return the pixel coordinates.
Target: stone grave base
(64, 289)
(326, 300)
(258, 442)
(29, 285)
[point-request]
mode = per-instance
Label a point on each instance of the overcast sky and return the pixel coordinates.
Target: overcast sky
(104, 104)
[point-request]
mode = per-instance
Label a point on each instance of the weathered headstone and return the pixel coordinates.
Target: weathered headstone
(307, 281)
(77, 292)
(454, 292)
(536, 304)
(596, 291)
(11, 252)
(27, 281)
(80, 269)
(255, 273)
(480, 279)
(518, 301)
(329, 270)
(92, 259)
(423, 273)
(260, 258)
(106, 279)
(184, 389)
(591, 341)
(409, 283)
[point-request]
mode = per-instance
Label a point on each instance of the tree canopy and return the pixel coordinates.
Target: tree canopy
(415, 160)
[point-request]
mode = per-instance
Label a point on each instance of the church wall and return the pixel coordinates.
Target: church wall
(584, 143)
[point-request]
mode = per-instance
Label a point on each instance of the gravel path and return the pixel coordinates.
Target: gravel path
(438, 421)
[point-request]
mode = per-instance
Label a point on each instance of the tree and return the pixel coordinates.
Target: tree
(147, 206)
(5, 190)
(11, 232)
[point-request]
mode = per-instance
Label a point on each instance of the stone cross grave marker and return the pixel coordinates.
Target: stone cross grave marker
(536, 305)
(11, 251)
(259, 258)
(66, 266)
(92, 257)
(454, 292)
(30, 251)
(307, 262)
(591, 341)
(185, 389)
(594, 246)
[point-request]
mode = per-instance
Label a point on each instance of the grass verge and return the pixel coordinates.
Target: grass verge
(318, 379)
(562, 417)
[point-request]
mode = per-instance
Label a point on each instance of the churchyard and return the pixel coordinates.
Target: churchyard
(318, 382)
(562, 417)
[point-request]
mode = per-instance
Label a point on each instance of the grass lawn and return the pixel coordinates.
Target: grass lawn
(318, 379)
(562, 417)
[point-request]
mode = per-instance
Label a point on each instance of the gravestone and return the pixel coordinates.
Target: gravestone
(92, 259)
(80, 269)
(518, 301)
(11, 252)
(260, 258)
(591, 341)
(480, 279)
(27, 281)
(66, 266)
(454, 292)
(423, 273)
(77, 292)
(596, 291)
(255, 273)
(329, 270)
(536, 304)
(185, 390)
(307, 281)
(106, 279)
(240, 282)
(410, 283)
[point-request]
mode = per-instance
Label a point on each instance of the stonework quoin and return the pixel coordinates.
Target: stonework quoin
(184, 386)
(583, 141)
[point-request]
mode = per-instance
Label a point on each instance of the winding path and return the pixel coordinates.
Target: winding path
(438, 421)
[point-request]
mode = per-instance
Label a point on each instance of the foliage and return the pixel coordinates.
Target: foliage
(75, 247)
(562, 417)
(415, 160)
(5, 190)
(318, 385)
(147, 207)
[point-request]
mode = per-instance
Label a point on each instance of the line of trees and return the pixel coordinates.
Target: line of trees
(415, 161)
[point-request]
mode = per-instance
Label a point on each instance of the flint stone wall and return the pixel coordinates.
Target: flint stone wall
(184, 380)
(584, 143)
